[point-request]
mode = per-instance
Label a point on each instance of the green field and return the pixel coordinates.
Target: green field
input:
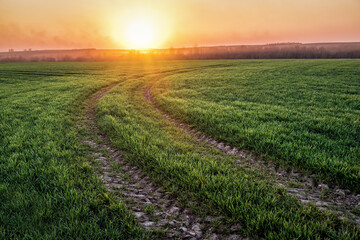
(303, 113)
(298, 113)
(48, 189)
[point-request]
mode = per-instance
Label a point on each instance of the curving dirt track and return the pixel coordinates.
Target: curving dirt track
(155, 210)
(166, 218)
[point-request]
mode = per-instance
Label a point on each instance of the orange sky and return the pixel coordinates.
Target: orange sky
(46, 24)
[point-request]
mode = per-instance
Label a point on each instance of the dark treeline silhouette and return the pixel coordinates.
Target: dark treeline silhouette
(270, 51)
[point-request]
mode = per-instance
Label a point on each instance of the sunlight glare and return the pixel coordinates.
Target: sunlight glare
(140, 27)
(141, 34)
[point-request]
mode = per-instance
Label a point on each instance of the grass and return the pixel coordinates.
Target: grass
(299, 113)
(50, 191)
(205, 178)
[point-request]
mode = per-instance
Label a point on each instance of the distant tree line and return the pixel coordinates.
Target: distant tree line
(271, 51)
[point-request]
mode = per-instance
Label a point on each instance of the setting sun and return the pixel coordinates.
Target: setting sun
(140, 27)
(140, 34)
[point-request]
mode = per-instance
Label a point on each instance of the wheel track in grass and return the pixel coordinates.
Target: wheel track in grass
(155, 210)
(333, 199)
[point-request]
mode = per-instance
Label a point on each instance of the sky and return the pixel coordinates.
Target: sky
(69, 24)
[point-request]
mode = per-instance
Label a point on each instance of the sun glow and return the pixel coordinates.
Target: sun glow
(141, 34)
(140, 27)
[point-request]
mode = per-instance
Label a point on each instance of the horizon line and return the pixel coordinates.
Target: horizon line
(183, 47)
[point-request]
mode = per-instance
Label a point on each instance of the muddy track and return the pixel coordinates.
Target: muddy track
(296, 182)
(155, 210)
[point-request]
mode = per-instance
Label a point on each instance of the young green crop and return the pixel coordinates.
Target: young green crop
(303, 113)
(196, 172)
(48, 189)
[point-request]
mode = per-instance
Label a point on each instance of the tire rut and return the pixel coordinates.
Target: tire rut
(333, 199)
(155, 210)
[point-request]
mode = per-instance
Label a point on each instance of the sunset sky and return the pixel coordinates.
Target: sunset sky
(44, 24)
